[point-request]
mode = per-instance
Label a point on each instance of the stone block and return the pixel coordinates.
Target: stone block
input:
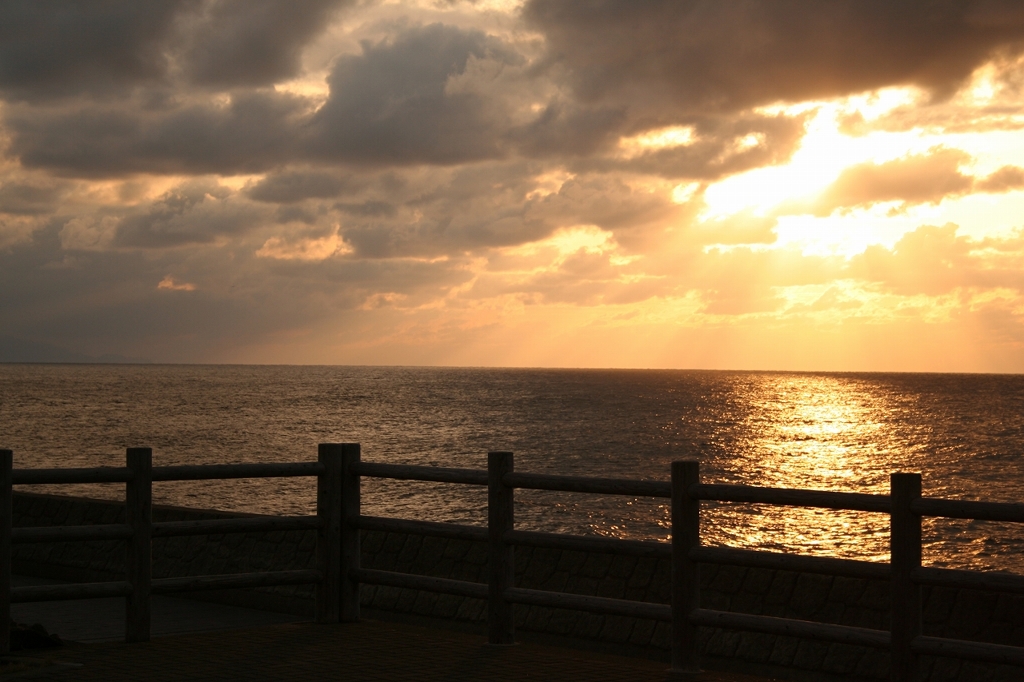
(783, 651)
(810, 595)
(562, 621)
(842, 659)
(410, 551)
(622, 567)
(975, 672)
(596, 566)
(863, 618)
(722, 643)
(781, 589)
(643, 632)
(541, 566)
(746, 602)
(971, 614)
(558, 582)
(456, 550)
(810, 655)
(831, 612)
(876, 596)
(472, 610)
(589, 625)
(534, 618)
(642, 574)
(425, 603)
(944, 670)
(617, 629)
(447, 605)
(1006, 673)
(755, 647)
(477, 554)
(847, 591)
(571, 561)
(394, 542)
(1009, 613)
(582, 585)
(758, 581)
(405, 601)
(370, 542)
(661, 581)
(662, 637)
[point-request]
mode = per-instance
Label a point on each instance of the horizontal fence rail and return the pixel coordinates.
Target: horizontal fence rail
(338, 575)
(598, 486)
(139, 530)
(822, 499)
(210, 472)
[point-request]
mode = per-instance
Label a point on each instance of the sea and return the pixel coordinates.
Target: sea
(826, 431)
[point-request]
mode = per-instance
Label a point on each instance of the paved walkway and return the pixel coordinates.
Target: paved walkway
(366, 651)
(102, 620)
(202, 641)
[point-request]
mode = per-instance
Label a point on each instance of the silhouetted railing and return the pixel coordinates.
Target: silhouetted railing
(339, 574)
(138, 530)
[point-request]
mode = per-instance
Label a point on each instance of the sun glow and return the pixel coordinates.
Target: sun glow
(661, 138)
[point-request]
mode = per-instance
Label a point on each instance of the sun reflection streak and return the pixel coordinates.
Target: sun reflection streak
(810, 432)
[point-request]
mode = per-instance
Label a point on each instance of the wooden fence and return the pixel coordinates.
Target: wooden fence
(339, 574)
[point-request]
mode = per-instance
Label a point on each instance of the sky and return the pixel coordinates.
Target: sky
(716, 184)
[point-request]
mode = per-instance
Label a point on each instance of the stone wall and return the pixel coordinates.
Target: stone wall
(962, 614)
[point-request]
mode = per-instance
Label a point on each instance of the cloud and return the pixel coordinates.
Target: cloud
(391, 103)
(60, 48)
(51, 48)
(197, 212)
(933, 261)
(291, 186)
(565, 129)
(232, 43)
(251, 132)
(1006, 179)
(702, 55)
(29, 199)
(169, 284)
(912, 179)
(927, 178)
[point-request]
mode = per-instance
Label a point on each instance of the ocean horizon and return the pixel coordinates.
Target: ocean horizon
(842, 431)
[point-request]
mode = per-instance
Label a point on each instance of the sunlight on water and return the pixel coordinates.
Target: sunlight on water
(843, 432)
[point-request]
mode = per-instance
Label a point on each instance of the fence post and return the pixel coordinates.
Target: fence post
(350, 548)
(6, 510)
(328, 536)
(139, 555)
(685, 571)
(500, 520)
(905, 558)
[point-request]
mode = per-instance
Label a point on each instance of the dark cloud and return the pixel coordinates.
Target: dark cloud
(195, 213)
(291, 186)
(55, 47)
(19, 198)
(563, 129)
(367, 208)
(721, 147)
(253, 42)
(391, 104)
(253, 132)
(51, 48)
(701, 55)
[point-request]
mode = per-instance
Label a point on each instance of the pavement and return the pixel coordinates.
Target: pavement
(202, 641)
(102, 620)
